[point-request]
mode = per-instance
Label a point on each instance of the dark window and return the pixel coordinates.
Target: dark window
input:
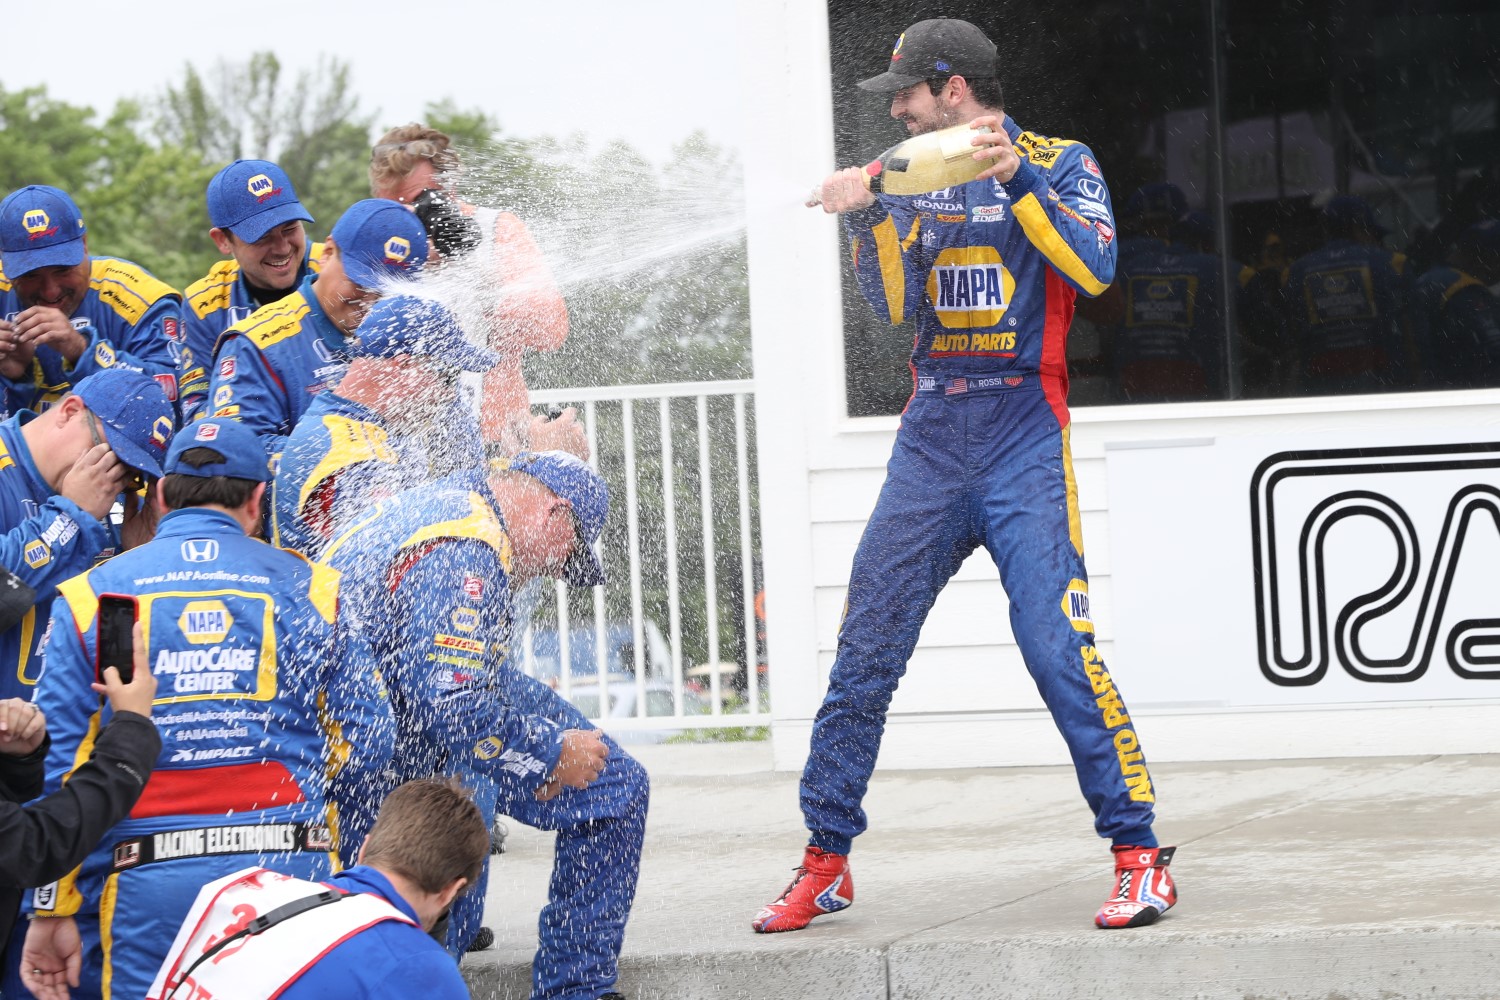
(1358, 142)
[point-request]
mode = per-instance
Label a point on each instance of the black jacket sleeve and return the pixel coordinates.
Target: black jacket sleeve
(47, 839)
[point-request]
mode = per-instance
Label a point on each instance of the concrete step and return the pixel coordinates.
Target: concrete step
(1312, 880)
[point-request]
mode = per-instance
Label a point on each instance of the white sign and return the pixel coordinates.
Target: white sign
(1279, 570)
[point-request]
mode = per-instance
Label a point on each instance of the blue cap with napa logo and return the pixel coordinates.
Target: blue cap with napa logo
(378, 241)
(571, 478)
(252, 197)
(407, 324)
(135, 412)
(243, 454)
(39, 227)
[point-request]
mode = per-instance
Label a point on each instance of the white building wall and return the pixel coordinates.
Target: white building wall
(966, 699)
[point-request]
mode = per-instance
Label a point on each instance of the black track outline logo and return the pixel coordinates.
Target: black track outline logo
(1465, 639)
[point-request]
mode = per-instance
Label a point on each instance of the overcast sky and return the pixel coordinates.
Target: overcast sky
(648, 71)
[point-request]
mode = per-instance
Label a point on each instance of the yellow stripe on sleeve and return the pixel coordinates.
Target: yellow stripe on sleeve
(892, 272)
(1041, 232)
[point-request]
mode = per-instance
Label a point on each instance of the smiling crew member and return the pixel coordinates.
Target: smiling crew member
(257, 223)
(65, 315)
(268, 366)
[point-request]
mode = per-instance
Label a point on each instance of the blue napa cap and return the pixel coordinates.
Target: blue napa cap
(39, 227)
(252, 197)
(408, 324)
(1161, 200)
(1348, 208)
(380, 240)
(135, 412)
(572, 479)
(244, 453)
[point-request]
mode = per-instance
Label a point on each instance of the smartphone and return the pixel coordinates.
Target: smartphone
(117, 615)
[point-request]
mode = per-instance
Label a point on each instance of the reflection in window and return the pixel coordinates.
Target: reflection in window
(1352, 247)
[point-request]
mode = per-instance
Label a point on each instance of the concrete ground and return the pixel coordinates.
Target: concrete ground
(1339, 879)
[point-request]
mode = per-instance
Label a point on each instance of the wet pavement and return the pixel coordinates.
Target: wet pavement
(1334, 879)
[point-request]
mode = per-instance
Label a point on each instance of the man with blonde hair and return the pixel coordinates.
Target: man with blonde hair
(417, 166)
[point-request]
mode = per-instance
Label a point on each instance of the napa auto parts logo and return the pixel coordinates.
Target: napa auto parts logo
(1379, 560)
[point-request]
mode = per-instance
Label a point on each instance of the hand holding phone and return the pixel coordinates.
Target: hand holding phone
(116, 648)
(140, 693)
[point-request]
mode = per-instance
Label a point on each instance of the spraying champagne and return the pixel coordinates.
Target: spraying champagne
(928, 162)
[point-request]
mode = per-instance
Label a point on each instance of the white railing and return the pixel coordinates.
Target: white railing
(662, 693)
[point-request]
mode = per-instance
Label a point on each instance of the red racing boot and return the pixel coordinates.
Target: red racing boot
(1143, 889)
(823, 885)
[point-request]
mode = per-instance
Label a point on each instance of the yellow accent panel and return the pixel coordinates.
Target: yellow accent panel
(323, 590)
(350, 442)
(211, 292)
(1041, 232)
(1075, 520)
(126, 288)
(1464, 281)
(107, 930)
(480, 525)
(69, 900)
(23, 655)
(353, 530)
(79, 594)
(273, 323)
(339, 748)
(1398, 262)
(892, 273)
(911, 237)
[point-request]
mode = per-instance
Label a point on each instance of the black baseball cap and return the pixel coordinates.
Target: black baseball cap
(942, 46)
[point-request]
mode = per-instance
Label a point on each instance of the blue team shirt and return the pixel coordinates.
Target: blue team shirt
(129, 318)
(48, 539)
(214, 303)
(269, 366)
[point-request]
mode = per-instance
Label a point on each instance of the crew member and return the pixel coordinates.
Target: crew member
(60, 473)
(430, 574)
(425, 849)
(269, 365)
(254, 711)
(64, 314)
(257, 223)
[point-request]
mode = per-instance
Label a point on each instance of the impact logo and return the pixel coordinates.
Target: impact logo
(205, 621)
(1374, 558)
(397, 249)
(1075, 604)
(262, 187)
(38, 224)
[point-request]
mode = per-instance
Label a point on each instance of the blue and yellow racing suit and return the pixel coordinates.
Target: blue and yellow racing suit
(215, 302)
(268, 367)
(427, 581)
(48, 539)
(255, 713)
(1345, 307)
(129, 318)
(1456, 321)
(989, 270)
(1169, 344)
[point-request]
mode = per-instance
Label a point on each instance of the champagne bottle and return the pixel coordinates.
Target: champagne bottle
(928, 162)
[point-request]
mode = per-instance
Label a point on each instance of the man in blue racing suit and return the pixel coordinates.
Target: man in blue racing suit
(64, 314)
(257, 223)
(989, 269)
(268, 367)
(260, 726)
(435, 566)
